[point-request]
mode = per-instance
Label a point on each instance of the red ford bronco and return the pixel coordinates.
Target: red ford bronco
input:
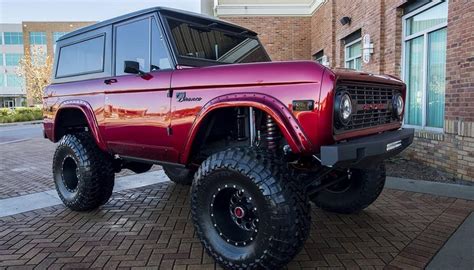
(256, 139)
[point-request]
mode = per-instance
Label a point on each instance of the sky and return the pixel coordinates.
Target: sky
(16, 11)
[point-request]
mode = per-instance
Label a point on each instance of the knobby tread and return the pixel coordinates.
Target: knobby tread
(290, 211)
(96, 174)
(371, 183)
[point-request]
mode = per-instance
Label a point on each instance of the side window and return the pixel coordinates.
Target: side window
(83, 57)
(132, 44)
(159, 54)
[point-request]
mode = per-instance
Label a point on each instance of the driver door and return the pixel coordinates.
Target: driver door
(137, 108)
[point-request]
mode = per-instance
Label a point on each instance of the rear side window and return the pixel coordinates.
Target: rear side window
(81, 58)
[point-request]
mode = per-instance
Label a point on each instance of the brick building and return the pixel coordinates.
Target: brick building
(429, 44)
(15, 41)
(44, 35)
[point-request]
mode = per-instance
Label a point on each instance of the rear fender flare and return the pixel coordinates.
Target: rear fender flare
(285, 120)
(88, 112)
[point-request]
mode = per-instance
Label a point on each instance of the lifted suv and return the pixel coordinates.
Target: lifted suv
(257, 140)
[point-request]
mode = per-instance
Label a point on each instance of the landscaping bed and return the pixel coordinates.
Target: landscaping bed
(20, 114)
(400, 166)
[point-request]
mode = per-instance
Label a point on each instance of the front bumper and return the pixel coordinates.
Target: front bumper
(367, 151)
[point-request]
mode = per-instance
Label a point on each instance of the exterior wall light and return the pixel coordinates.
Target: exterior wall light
(345, 20)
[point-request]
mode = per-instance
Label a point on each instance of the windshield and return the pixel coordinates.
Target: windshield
(211, 43)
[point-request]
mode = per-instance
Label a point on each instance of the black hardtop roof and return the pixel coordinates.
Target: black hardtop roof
(164, 10)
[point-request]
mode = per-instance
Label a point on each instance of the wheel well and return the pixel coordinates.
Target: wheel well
(69, 121)
(231, 127)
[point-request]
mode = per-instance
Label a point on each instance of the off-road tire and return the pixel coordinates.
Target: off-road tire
(182, 176)
(365, 187)
(94, 174)
(284, 223)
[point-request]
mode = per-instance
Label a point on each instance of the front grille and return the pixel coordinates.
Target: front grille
(371, 105)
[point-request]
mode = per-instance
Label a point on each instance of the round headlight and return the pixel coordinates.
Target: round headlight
(345, 108)
(398, 105)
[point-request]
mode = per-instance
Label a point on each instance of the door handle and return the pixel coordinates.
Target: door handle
(110, 81)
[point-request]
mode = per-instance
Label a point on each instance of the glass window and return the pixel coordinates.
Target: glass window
(12, 38)
(12, 59)
(425, 66)
(81, 58)
(318, 57)
(38, 38)
(436, 78)
(353, 55)
(1, 38)
(414, 79)
(427, 19)
(198, 41)
(159, 54)
(132, 44)
(57, 35)
(2, 80)
(13, 80)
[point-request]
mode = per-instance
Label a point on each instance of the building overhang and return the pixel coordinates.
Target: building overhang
(272, 8)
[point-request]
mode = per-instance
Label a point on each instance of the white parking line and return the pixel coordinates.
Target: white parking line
(21, 204)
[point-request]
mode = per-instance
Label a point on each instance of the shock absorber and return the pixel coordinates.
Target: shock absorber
(241, 124)
(272, 135)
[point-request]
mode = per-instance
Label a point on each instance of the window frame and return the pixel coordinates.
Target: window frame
(106, 31)
(149, 17)
(19, 59)
(18, 35)
(346, 60)
(77, 42)
(425, 33)
(43, 37)
(318, 57)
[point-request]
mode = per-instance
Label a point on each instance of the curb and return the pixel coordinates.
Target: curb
(435, 188)
(48, 198)
(36, 122)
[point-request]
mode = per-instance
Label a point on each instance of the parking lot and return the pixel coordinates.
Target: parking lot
(150, 226)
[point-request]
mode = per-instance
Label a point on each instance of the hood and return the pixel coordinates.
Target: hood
(290, 72)
(343, 74)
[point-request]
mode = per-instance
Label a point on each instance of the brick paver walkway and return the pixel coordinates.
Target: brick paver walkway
(25, 167)
(151, 226)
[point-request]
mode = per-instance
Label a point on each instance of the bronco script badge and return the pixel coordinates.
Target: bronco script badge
(181, 97)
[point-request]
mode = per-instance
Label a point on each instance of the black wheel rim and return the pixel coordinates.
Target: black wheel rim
(234, 215)
(70, 174)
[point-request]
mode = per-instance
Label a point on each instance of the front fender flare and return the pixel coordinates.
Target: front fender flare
(88, 112)
(285, 120)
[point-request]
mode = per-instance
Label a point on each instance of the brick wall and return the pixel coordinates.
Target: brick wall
(454, 150)
(323, 32)
(284, 38)
(460, 61)
(451, 150)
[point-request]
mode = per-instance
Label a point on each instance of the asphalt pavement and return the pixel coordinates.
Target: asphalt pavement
(17, 133)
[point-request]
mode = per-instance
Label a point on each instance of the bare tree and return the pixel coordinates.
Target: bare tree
(35, 68)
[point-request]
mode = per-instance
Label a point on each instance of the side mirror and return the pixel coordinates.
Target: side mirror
(132, 67)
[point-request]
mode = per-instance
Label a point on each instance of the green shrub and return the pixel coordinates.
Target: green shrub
(20, 114)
